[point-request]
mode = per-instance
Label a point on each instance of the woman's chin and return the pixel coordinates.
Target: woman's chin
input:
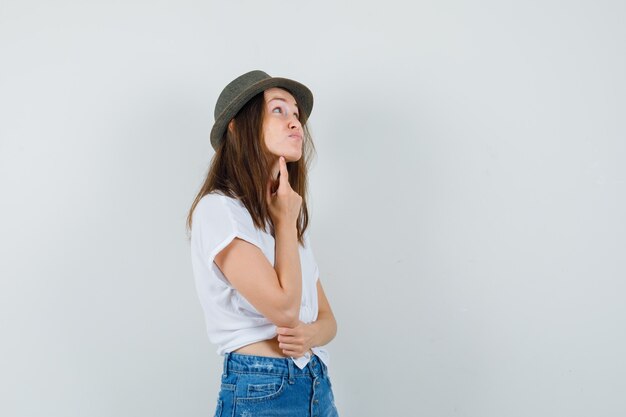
(292, 157)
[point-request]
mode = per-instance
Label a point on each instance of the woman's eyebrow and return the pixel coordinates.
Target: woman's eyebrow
(282, 99)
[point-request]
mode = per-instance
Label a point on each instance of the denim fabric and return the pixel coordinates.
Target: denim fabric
(262, 386)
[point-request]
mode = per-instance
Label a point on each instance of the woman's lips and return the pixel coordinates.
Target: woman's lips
(297, 137)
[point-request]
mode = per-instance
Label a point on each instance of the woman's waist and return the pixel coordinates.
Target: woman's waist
(258, 364)
(268, 347)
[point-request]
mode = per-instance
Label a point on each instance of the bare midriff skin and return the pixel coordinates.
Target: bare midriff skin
(267, 347)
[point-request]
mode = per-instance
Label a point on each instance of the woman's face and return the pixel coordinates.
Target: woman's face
(281, 128)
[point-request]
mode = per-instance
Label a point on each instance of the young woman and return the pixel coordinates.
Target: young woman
(254, 268)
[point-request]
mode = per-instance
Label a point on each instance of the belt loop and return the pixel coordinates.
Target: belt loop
(226, 356)
(291, 370)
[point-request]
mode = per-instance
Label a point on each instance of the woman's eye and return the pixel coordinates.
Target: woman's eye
(280, 108)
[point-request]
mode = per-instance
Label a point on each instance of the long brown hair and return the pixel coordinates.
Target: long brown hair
(240, 167)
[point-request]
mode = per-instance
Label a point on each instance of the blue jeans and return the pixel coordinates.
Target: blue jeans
(259, 386)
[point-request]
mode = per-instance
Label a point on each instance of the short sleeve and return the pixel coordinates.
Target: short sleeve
(216, 221)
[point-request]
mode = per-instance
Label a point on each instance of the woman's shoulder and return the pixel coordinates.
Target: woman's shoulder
(219, 205)
(219, 198)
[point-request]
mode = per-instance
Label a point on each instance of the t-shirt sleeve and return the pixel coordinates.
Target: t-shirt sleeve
(217, 221)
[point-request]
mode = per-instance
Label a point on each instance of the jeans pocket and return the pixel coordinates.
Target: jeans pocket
(261, 390)
(261, 387)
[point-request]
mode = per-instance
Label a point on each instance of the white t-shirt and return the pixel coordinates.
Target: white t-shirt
(232, 322)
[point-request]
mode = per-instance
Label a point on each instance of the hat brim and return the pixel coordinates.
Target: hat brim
(302, 94)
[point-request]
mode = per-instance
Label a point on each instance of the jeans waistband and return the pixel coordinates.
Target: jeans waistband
(237, 362)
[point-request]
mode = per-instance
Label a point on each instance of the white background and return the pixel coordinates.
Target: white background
(467, 198)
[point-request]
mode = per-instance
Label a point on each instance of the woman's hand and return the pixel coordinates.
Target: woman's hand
(284, 204)
(295, 341)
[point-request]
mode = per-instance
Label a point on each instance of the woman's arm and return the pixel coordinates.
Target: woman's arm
(295, 341)
(273, 291)
(325, 327)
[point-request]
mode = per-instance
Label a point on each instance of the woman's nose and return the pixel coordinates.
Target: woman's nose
(293, 120)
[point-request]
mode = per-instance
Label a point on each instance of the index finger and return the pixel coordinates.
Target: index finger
(284, 175)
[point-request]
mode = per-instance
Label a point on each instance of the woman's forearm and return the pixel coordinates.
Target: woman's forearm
(288, 270)
(324, 329)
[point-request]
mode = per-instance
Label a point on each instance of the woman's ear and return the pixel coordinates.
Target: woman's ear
(231, 125)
